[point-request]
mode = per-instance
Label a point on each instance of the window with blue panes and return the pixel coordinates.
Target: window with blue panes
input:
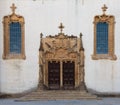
(102, 38)
(15, 37)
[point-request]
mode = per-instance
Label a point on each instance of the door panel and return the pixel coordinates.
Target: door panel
(54, 75)
(68, 75)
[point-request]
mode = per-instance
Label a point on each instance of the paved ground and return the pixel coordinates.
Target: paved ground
(104, 101)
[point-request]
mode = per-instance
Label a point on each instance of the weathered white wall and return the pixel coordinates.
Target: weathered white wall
(44, 16)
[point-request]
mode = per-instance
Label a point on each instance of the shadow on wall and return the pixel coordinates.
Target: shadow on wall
(103, 94)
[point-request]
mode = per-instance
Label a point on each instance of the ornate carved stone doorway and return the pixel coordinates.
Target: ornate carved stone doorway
(61, 60)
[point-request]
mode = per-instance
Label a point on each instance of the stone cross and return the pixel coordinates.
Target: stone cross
(104, 8)
(13, 7)
(61, 27)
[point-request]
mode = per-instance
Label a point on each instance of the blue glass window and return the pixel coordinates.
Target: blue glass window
(102, 38)
(15, 37)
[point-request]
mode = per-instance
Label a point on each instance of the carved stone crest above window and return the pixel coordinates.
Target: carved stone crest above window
(104, 36)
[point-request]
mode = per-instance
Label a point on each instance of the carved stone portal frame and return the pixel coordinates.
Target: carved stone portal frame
(110, 20)
(61, 48)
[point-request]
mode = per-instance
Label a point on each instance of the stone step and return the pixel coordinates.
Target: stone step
(56, 98)
(49, 94)
(80, 97)
(57, 95)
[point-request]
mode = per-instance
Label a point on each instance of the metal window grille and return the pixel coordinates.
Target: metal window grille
(102, 38)
(15, 38)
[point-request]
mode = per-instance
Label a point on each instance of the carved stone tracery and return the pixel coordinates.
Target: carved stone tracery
(61, 48)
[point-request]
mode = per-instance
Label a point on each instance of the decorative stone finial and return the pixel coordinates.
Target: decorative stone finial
(104, 8)
(61, 27)
(13, 7)
(81, 43)
(41, 35)
(81, 35)
(41, 44)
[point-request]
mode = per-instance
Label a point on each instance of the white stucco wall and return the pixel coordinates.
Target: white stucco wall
(44, 16)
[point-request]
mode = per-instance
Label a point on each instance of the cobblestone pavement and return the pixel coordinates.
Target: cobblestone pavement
(103, 101)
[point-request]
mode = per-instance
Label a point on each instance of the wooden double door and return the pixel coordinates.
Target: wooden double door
(61, 75)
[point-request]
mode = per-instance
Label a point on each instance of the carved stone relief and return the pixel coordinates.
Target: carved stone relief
(61, 48)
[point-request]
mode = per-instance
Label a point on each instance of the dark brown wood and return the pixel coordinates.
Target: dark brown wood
(54, 75)
(68, 75)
